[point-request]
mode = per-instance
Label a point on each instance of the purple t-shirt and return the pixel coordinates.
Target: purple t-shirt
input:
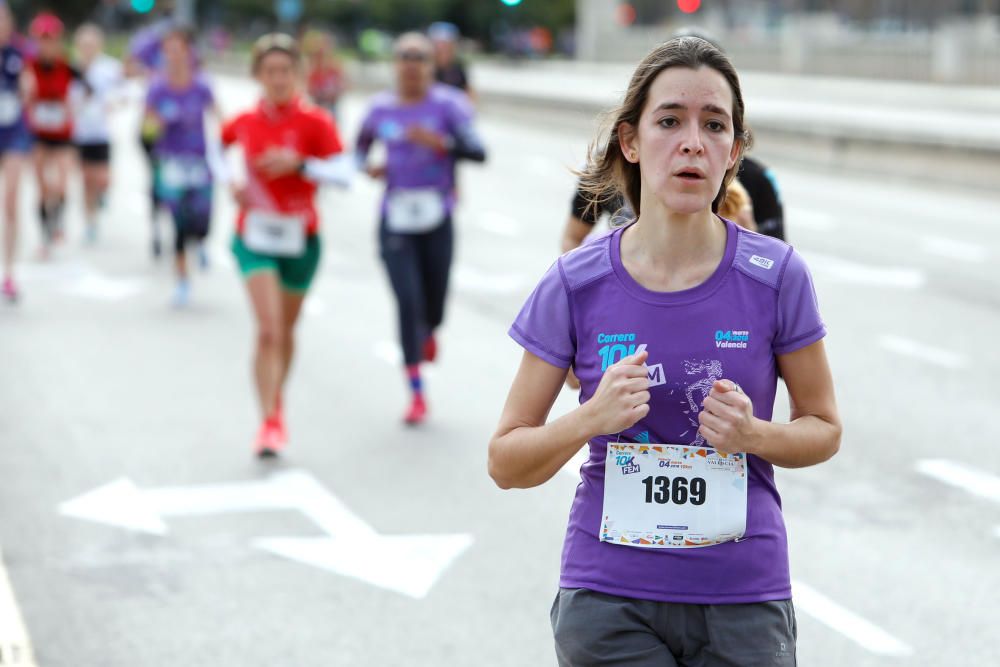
(445, 110)
(182, 113)
(757, 304)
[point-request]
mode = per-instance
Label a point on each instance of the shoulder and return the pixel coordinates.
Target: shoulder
(382, 101)
(449, 97)
(590, 262)
(762, 258)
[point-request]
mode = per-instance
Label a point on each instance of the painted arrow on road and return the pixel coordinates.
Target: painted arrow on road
(407, 564)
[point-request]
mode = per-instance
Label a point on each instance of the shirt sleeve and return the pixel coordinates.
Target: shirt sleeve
(327, 142)
(799, 321)
(544, 326)
(230, 131)
(366, 137)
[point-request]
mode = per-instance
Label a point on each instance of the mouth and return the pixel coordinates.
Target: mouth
(690, 174)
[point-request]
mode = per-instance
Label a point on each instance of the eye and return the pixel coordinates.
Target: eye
(669, 121)
(715, 126)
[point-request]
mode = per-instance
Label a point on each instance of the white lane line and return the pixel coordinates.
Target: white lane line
(473, 280)
(102, 288)
(856, 273)
(962, 251)
(390, 353)
(846, 622)
(817, 220)
(498, 223)
(923, 352)
(968, 479)
(15, 645)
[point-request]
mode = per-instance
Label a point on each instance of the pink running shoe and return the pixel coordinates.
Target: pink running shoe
(270, 439)
(10, 290)
(417, 413)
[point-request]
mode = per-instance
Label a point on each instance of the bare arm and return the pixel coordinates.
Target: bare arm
(813, 434)
(525, 451)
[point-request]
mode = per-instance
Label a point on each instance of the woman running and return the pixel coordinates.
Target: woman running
(91, 125)
(289, 147)
(51, 121)
(426, 128)
(15, 142)
(174, 122)
(676, 551)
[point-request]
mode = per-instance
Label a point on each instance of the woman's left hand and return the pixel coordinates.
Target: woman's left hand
(726, 419)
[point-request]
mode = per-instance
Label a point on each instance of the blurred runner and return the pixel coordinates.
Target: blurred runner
(15, 142)
(448, 69)
(325, 76)
(174, 124)
(426, 128)
(51, 121)
(290, 147)
(91, 115)
(145, 60)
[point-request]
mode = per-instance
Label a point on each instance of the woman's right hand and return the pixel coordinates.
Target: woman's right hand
(622, 397)
(240, 195)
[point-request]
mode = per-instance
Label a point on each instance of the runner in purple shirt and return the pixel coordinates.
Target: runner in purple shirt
(676, 325)
(426, 128)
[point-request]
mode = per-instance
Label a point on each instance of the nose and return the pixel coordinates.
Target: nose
(691, 142)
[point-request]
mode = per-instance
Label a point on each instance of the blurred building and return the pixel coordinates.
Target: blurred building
(930, 40)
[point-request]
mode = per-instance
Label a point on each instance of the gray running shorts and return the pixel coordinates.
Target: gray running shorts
(597, 629)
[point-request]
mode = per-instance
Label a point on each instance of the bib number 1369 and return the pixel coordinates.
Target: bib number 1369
(681, 490)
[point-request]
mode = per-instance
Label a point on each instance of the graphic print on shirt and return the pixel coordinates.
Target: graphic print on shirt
(706, 372)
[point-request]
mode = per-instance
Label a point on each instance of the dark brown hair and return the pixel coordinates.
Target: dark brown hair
(271, 43)
(608, 174)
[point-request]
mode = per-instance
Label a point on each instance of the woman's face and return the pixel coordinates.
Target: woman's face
(684, 142)
(49, 48)
(176, 54)
(88, 44)
(276, 72)
(414, 68)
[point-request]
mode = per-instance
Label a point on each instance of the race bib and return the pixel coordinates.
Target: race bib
(178, 173)
(275, 234)
(10, 108)
(673, 496)
(414, 211)
(50, 116)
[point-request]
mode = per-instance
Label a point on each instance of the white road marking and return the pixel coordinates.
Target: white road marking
(968, 479)
(962, 251)
(856, 273)
(926, 353)
(406, 564)
(846, 622)
(473, 280)
(388, 352)
(810, 219)
(98, 286)
(15, 645)
(314, 306)
(498, 223)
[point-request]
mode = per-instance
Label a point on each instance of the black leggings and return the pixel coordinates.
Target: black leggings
(418, 266)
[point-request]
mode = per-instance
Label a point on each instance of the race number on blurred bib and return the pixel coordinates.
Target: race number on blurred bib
(10, 107)
(276, 234)
(414, 211)
(180, 173)
(673, 496)
(50, 116)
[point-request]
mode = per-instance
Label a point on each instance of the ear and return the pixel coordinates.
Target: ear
(734, 154)
(628, 140)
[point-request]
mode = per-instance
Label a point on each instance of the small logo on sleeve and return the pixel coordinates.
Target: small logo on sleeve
(762, 262)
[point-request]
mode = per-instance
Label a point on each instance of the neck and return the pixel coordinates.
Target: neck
(667, 251)
(409, 96)
(178, 77)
